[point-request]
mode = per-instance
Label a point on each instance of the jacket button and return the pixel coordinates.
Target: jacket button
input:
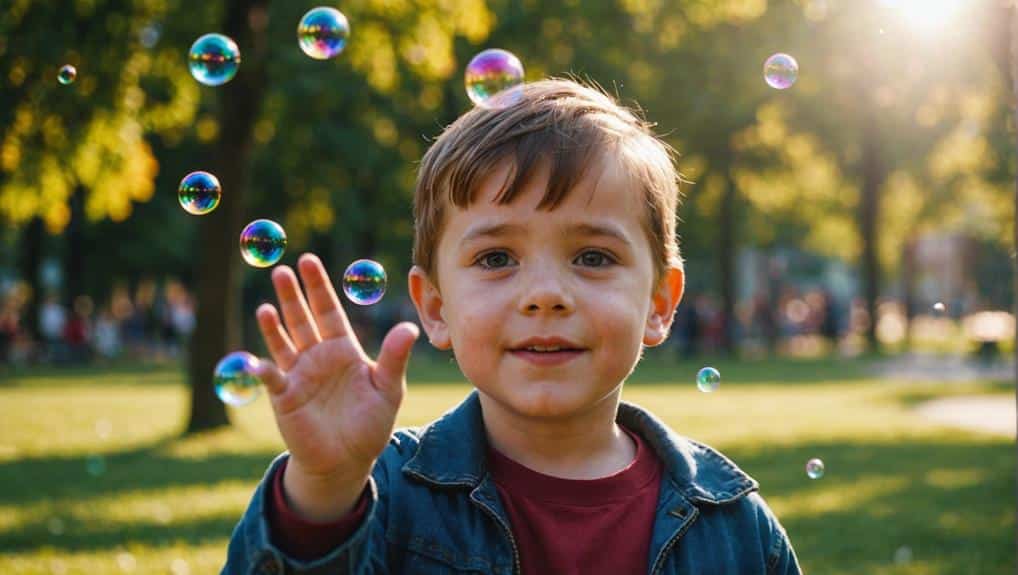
(268, 564)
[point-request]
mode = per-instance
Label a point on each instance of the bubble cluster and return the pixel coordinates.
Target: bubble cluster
(199, 193)
(322, 32)
(708, 379)
(815, 468)
(262, 243)
(214, 59)
(67, 74)
(781, 71)
(234, 378)
(364, 282)
(494, 78)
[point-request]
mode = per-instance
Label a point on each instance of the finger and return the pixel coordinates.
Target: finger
(276, 339)
(295, 308)
(390, 371)
(274, 380)
(325, 306)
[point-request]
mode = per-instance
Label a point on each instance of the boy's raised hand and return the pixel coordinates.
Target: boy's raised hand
(335, 407)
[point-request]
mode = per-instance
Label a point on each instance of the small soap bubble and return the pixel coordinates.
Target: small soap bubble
(262, 243)
(199, 193)
(55, 525)
(322, 32)
(903, 555)
(180, 566)
(494, 72)
(364, 282)
(815, 468)
(103, 428)
(708, 379)
(149, 35)
(939, 307)
(95, 465)
(67, 74)
(234, 379)
(214, 59)
(781, 71)
(126, 562)
(162, 514)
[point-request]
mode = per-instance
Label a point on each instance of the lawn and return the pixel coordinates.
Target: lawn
(95, 479)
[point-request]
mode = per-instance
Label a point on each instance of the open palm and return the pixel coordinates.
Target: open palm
(335, 407)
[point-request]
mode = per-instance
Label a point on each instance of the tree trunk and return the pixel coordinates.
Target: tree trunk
(218, 268)
(726, 253)
(29, 262)
(873, 175)
(74, 254)
(908, 285)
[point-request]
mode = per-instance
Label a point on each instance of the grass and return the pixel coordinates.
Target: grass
(94, 477)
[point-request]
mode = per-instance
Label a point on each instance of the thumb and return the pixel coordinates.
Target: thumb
(392, 359)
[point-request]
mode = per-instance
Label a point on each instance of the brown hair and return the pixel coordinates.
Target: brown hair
(565, 122)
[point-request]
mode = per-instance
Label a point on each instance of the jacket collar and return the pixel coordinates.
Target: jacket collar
(452, 451)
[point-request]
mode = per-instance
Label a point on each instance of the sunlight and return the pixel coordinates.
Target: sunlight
(926, 15)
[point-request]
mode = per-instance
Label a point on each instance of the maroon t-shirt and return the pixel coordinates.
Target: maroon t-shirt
(562, 526)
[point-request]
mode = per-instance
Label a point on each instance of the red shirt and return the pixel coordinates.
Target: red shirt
(595, 525)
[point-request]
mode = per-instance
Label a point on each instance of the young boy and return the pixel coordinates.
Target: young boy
(545, 257)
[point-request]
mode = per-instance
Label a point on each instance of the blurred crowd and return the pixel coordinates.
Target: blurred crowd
(152, 322)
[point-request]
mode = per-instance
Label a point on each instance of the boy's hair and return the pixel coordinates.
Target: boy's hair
(558, 120)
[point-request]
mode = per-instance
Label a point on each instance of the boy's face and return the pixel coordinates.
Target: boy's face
(545, 275)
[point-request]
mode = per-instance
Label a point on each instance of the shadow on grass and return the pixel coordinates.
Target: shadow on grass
(114, 373)
(952, 504)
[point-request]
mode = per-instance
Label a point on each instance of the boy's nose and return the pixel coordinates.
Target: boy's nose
(546, 294)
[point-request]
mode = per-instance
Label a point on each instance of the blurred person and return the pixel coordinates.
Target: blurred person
(106, 338)
(77, 330)
(52, 319)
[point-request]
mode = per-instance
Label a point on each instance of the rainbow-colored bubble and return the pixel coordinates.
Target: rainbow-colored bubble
(364, 282)
(814, 468)
(781, 71)
(322, 32)
(199, 193)
(262, 243)
(708, 379)
(235, 380)
(67, 74)
(494, 78)
(214, 59)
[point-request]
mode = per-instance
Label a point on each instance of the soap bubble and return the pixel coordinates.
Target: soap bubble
(55, 525)
(234, 378)
(364, 282)
(939, 307)
(708, 379)
(95, 465)
(781, 71)
(494, 72)
(903, 555)
(262, 243)
(199, 193)
(214, 59)
(67, 74)
(126, 562)
(322, 32)
(815, 468)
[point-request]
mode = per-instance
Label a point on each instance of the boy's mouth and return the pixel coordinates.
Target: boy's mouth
(549, 350)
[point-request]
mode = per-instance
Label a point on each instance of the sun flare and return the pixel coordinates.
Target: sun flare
(926, 15)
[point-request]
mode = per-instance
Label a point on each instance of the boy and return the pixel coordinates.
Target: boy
(541, 469)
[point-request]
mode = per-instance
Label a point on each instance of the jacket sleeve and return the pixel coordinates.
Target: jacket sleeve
(252, 552)
(781, 559)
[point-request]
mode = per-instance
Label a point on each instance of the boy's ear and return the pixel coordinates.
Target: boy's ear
(428, 302)
(665, 299)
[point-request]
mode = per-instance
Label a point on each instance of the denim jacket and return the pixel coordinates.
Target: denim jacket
(434, 509)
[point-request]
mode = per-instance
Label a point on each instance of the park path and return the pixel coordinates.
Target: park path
(994, 414)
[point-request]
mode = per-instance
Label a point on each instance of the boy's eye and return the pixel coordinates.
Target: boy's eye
(499, 259)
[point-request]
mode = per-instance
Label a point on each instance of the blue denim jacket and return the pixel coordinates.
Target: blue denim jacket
(434, 509)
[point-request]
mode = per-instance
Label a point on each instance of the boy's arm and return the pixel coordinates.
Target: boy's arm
(781, 559)
(253, 550)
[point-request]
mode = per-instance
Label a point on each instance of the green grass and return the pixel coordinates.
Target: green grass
(156, 503)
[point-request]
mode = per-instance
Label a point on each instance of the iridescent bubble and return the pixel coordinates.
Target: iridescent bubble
(234, 378)
(364, 282)
(199, 193)
(939, 307)
(95, 465)
(708, 379)
(67, 74)
(214, 59)
(781, 71)
(815, 468)
(494, 78)
(262, 243)
(322, 32)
